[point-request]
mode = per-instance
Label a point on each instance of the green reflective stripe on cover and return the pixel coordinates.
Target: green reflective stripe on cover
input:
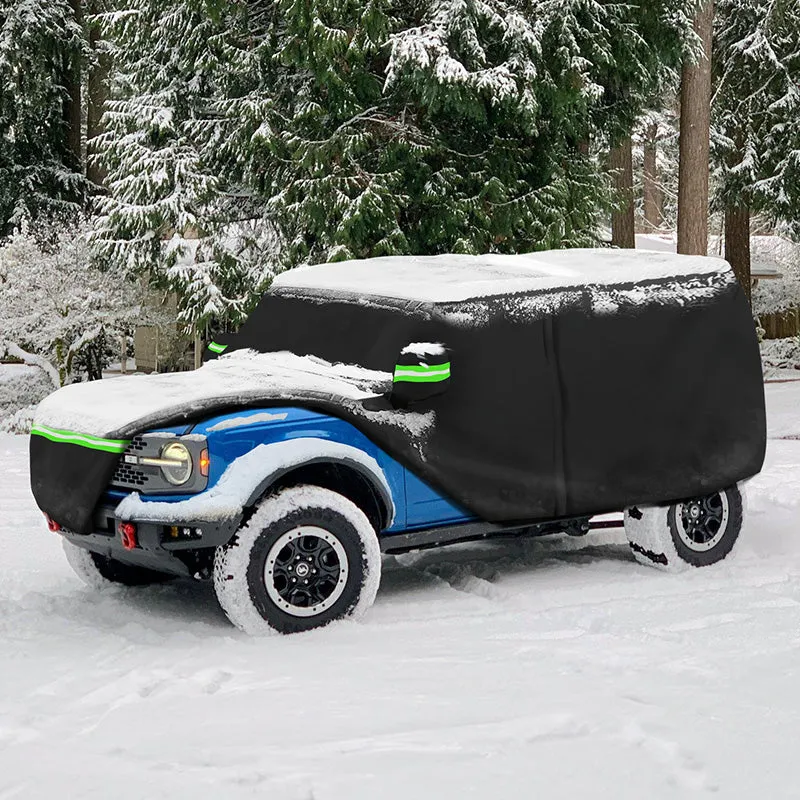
(432, 373)
(217, 348)
(81, 439)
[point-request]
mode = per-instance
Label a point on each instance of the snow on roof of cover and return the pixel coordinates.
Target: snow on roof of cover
(453, 278)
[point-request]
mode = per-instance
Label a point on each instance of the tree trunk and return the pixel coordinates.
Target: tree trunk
(198, 349)
(73, 110)
(737, 243)
(694, 131)
(651, 191)
(97, 96)
(620, 162)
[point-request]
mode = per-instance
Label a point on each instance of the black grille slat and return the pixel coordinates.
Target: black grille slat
(132, 476)
(125, 474)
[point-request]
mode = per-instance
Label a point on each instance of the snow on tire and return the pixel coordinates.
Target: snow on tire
(83, 565)
(697, 532)
(306, 557)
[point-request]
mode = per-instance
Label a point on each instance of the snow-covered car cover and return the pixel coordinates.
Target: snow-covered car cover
(580, 381)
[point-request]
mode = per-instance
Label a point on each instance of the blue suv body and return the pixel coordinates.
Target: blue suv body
(415, 504)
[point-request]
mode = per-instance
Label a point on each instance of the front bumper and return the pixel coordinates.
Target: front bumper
(154, 545)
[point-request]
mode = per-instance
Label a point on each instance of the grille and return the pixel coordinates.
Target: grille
(137, 443)
(132, 476)
(128, 475)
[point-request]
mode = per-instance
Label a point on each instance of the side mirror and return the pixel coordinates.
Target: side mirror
(422, 371)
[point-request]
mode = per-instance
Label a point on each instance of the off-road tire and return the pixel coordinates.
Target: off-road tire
(697, 532)
(331, 540)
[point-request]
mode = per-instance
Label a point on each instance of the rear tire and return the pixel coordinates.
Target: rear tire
(306, 557)
(100, 572)
(697, 532)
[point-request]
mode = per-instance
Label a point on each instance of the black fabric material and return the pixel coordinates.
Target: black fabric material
(576, 411)
(336, 330)
(67, 481)
(658, 404)
(581, 411)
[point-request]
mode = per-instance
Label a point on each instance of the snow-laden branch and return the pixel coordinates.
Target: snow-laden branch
(31, 359)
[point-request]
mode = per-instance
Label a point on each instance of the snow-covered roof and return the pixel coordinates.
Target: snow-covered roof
(454, 278)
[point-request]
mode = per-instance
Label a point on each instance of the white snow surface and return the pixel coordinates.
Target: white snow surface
(243, 476)
(250, 419)
(135, 402)
(21, 386)
(549, 668)
(454, 278)
(423, 349)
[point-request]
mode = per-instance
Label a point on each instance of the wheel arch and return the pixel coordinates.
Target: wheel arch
(350, 478)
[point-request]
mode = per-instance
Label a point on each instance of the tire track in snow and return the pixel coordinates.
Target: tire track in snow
(683, 769)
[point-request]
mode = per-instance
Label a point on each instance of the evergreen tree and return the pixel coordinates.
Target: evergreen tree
(337, 129)
(461, 143)
(695, 104)
(39, 177)
(162, 184)
(656, 158)
(473, 141)
(644, 47)
(756, 108)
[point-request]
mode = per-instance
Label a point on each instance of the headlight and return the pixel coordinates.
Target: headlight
(179, 468)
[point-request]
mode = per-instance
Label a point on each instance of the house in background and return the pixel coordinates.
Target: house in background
(160, 343)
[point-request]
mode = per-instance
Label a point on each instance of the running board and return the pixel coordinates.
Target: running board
(476, 531)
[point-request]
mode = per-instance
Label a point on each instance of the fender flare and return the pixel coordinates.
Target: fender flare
(331, 452)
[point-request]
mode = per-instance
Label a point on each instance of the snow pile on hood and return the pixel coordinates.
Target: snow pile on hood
(455, 278)
(121, 407)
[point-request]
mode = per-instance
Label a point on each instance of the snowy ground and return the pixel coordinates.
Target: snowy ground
(555, 668)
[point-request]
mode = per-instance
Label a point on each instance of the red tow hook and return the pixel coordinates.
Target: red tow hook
(127, 532)
(52, 524)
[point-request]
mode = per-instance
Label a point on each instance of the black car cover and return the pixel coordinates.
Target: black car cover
(560, 401)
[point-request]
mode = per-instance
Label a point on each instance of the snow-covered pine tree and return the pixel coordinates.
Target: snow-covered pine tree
(472, 138)
(38, 178)
(423, 128)
(362, 128)
(756, 140)
(169, 212)
(655, 140)
(635, 52)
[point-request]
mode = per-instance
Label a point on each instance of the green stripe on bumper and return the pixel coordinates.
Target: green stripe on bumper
(81, 439)
(217, 348)
(433, 373)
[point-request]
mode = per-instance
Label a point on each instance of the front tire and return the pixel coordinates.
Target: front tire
(99, 572)
(696, 532)
(306, 557)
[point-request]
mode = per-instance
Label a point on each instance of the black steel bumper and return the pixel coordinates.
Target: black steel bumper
(154, 545)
